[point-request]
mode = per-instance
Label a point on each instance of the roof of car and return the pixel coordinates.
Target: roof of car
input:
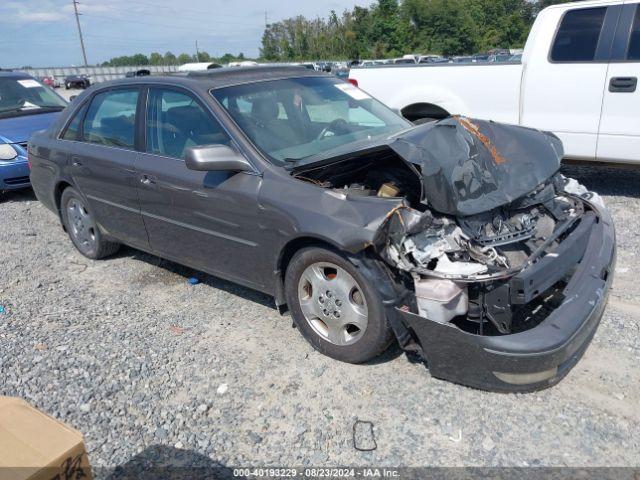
(10, 73)
(225, 77)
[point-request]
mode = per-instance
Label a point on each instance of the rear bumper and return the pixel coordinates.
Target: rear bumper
(537, 358)
(14, 174)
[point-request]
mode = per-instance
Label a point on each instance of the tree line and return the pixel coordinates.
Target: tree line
(391, 28)
(169, 58)
(385, 29)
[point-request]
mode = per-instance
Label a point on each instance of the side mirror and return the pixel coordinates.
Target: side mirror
(215, 158)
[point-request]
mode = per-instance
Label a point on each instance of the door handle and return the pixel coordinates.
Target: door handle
(75, 161)
(623, 84)
(147, 179)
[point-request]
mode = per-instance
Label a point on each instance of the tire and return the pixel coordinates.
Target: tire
(323, 311)
(82, 227)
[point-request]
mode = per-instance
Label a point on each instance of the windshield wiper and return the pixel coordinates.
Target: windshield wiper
(31, 110)
(49, 108)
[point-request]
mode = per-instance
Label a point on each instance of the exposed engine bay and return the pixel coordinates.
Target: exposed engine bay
(457, 266)
(380, 174)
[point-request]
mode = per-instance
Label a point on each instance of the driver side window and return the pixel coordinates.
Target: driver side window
(176, 121)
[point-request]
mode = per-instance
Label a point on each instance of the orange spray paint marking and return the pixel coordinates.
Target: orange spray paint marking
(474, 130)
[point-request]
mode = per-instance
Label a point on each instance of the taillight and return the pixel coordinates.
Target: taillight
(353, 82)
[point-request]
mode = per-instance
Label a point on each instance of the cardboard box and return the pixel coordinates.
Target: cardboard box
(34, 446)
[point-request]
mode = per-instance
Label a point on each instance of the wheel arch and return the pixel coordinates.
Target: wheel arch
(417, 111)
(428, 98)
(60, 187)
(284, 258)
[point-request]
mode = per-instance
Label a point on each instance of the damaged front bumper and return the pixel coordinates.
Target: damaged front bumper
(534, 359)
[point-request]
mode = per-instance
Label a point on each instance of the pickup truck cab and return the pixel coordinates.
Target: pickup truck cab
(578, 78)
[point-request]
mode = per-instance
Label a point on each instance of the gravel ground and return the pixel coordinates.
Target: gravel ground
(143, 363)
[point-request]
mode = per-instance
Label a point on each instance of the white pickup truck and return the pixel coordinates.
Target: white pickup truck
(578, 78)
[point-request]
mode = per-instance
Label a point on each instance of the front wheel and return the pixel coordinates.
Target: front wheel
(82, 227)
(335, 307)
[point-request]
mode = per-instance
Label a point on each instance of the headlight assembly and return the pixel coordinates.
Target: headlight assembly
(7, 152)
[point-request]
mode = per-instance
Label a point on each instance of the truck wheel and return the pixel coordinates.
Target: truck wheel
(82, 228)
(335, 307)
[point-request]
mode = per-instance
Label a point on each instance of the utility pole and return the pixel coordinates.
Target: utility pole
(197, 53)
(84, 53)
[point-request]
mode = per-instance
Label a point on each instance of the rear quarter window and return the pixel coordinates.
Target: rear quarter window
(578, 35)
(633, 53)
(73, 128)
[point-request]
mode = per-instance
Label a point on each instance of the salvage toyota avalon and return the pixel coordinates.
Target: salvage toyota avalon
(460, 239)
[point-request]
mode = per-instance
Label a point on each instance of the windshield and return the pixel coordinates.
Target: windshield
(298, 118)
(26, 95)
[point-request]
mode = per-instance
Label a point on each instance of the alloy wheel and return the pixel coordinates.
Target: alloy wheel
(333, 303)
(83, 228)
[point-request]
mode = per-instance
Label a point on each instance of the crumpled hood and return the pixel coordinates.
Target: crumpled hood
(19, 129)
(473, 166)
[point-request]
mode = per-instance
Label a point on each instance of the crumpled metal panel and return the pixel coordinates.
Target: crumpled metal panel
(473, 166)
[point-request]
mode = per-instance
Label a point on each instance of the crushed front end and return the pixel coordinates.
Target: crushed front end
(494, 268)
(509, 303)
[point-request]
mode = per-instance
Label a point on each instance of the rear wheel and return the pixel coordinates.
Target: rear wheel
(334, 306)
(82, 228)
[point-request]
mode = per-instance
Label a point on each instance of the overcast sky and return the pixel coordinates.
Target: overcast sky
(43, 33)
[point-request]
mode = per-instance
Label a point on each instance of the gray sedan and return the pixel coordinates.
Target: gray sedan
(458, 239)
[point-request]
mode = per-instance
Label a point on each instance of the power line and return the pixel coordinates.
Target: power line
(164, 25)
(181, 10)
(84, 52)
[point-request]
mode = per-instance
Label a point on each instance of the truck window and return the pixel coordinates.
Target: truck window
(633, 53)
(577, 38)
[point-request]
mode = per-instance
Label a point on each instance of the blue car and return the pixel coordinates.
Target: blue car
(26, 106)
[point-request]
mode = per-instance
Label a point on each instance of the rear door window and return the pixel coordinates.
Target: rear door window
(176, 121)
(111, 119)
(73, 129)
(578, 36)
(633, 53)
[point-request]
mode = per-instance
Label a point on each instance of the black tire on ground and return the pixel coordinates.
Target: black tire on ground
(99, 248)
(377, 336)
